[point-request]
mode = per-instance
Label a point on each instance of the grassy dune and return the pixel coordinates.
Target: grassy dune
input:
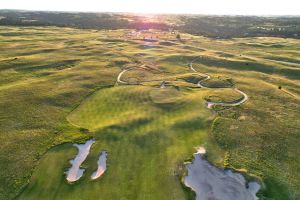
(58, 86)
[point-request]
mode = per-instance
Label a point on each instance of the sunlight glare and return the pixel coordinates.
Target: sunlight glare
(220, 7)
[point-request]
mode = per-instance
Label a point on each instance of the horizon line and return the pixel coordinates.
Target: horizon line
(150, 13)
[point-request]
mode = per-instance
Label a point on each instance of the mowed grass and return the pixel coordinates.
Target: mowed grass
(58, 86)
(146, 148)
(110, 107)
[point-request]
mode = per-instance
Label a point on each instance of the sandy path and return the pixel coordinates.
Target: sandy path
(210, 104)
(203, 80)
(119, 80)
(120, 75)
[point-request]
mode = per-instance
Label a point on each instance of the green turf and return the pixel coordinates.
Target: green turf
(145, 146)
(58, 86)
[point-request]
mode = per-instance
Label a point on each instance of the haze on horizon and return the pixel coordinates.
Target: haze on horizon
(214, 7)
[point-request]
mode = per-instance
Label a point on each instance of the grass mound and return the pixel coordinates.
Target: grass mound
(120, 62)
(165, 95)
(167, 43)
(116, 105)
(191, 78)
(223, 95)
(139, 75)
(219, 82)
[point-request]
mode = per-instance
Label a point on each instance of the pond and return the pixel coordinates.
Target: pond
(210, 182)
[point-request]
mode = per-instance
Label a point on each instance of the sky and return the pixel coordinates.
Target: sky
(215, 7)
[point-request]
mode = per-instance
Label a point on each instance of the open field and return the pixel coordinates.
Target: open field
(60, 86)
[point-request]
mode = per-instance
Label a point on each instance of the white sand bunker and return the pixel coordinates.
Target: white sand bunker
(210, 182)
(75, 173)
(101, 165)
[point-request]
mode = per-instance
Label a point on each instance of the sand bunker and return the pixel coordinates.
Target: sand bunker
(210, 182)
(101, 165)
(75, 173)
